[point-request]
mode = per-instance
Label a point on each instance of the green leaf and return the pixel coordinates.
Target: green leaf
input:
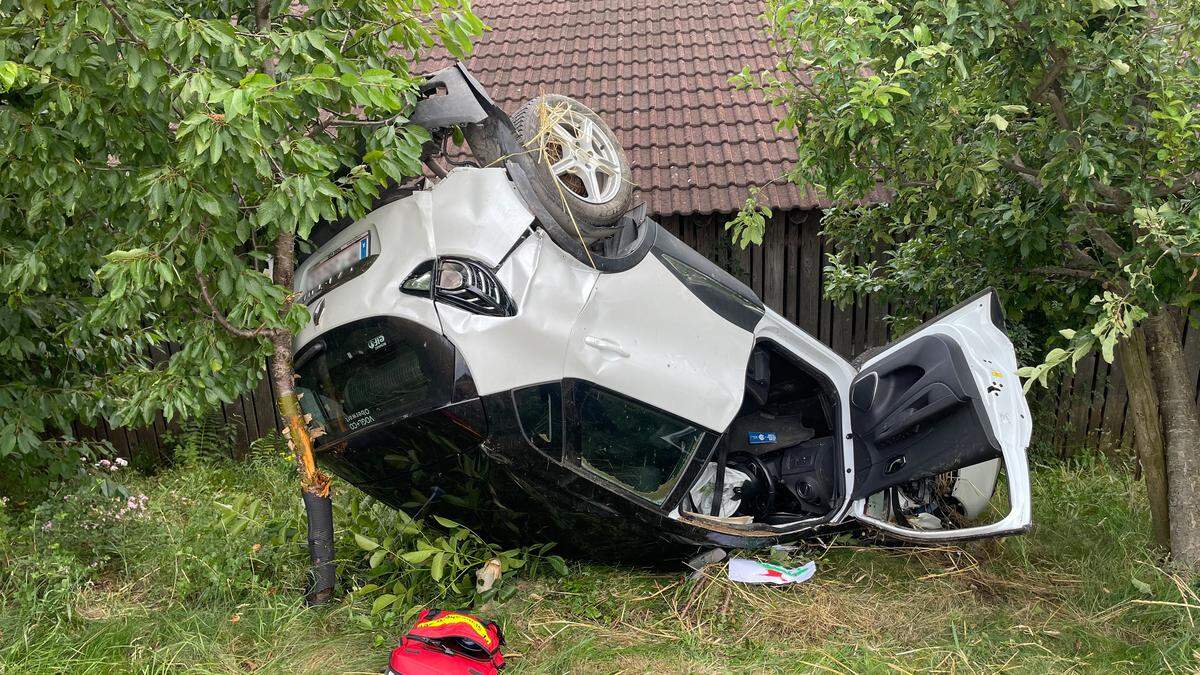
(365, 543)
(447, 523)
(1141, 586)
(382, 602)
(998, 121)
(417, 557)
(437, 567)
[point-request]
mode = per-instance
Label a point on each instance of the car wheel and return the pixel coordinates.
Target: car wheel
(581, 173)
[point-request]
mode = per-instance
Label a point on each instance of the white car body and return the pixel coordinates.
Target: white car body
(667, 333)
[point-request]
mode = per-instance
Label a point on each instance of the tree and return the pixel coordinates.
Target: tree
(1049, 149)
(161, 161)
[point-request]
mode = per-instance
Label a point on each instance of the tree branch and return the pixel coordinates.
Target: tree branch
(124, 24)
(1058, 63)
(1177, 186)
(1027, 174)
(1055, 270)
(261, 331)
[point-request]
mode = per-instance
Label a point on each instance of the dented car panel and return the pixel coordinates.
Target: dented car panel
(623, 395)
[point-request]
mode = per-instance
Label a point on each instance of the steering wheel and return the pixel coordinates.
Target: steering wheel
(758, 496)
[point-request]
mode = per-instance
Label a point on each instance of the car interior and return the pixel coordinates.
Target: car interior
(782, 446)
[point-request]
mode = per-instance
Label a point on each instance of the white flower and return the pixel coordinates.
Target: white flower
(121, 461)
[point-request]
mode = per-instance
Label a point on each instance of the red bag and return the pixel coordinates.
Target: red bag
(448, 642)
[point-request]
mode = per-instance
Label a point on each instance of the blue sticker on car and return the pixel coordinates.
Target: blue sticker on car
(757, 437)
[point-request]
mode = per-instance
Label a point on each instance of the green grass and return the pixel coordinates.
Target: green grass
(175, 590)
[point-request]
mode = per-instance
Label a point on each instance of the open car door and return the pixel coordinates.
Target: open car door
(943, 401)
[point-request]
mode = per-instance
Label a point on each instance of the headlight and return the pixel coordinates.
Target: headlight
(464, 283)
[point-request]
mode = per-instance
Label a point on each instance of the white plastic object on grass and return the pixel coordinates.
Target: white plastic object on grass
(747, 571)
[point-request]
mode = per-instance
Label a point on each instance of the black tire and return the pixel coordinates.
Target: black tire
(568, 200)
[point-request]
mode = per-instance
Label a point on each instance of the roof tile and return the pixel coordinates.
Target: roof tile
(659, 74)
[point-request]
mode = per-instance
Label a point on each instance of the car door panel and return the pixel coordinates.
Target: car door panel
(923, 398)
(644, 334)
(944, 398)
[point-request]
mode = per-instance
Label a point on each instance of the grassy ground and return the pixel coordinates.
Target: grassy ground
(177, 590)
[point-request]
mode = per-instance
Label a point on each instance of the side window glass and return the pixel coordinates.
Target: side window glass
(539, 410)
(641, 448)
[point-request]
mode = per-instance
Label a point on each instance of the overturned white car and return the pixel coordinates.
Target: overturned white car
(516, 349)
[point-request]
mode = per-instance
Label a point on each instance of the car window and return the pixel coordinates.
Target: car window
(641, 448)
(371, 370)
(540, 411)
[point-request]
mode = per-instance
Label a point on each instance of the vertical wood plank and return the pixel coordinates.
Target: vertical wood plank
(791, 301)
(827, 247)
(1096, 405)
(1113, 415)
(877, 311)
(1191, 346)
(774, 273)
(263, 408)
(1062, 404)
(809, 290)
(1080, 409)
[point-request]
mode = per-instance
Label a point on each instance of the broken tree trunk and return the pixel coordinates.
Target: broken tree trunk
(1181, 430)
(314, 485)
(1147, 430)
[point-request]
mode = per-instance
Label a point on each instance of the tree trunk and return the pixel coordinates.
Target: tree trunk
(1181, 427)
(314, 485)
(1147, 430)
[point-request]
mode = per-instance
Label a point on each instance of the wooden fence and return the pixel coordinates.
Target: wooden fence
(1081, 411)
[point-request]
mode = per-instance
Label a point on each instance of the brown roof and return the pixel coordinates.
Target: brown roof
(658, 72)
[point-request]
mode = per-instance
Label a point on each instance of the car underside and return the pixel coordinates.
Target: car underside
(514, 346)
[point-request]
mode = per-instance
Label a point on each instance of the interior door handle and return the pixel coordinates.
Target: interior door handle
(605, 345)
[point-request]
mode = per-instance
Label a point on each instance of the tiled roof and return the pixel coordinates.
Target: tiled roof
(658, 73)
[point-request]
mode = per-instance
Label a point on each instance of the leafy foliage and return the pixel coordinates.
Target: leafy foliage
(152, 154)
(200, 437)
(392, 564)
(1051, 150)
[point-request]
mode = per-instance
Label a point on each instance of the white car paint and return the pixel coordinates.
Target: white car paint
(550, 289)
(402, 237)
(477, 214)
(993, 363)
(639, 332)
(644, 334)
(821, 359)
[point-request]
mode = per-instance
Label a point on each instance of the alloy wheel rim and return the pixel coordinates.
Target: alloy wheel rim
(583, 159)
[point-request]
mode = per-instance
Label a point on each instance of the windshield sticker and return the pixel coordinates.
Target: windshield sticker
(359, 419)
(758, 437)
(377, 342)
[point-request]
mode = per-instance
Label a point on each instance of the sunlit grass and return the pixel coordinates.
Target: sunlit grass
(1081, 592)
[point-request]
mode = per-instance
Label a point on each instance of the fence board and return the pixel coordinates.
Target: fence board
(1080, 408)
(791, 284)
(1113, 415)
(1096, 404)
(809, 291)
